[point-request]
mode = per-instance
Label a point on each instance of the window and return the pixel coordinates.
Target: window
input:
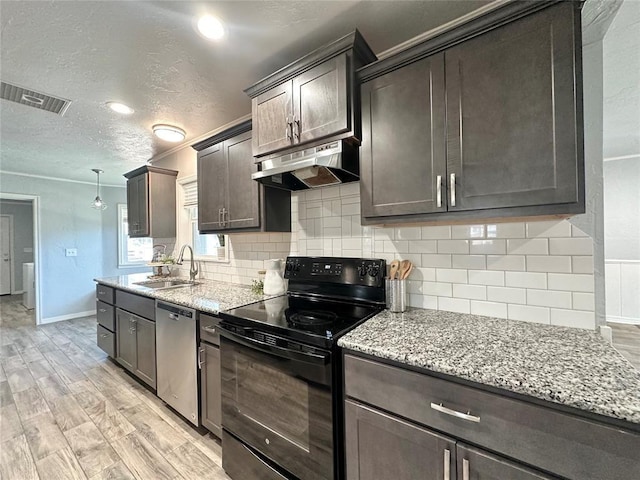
(131, 251)
(205, 246)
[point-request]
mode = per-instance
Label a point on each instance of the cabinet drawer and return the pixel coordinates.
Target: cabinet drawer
(104, 315)
(107, 341)
(143, 306)
(209, 329)
(554, 441)
(104, 293)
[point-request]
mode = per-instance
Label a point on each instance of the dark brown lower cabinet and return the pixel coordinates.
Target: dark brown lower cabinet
(380, 446)
(210, 389)
(136, 345)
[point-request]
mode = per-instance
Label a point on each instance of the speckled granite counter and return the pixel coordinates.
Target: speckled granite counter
(568, 366)
(206, 296)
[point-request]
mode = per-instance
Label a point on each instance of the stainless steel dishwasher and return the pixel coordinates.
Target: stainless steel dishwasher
(177, 363)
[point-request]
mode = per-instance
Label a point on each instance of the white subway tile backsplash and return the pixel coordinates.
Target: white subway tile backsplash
(454, 305)
(526, 279)
(506, 262)
(487, 247)
(423, 301)
(486, 277)
(506, 230)
(571, 282)
(436, 260)
(507, 295)
(576, 232)
(330, 192)
(453, 246)
(347, 189)
(422, 246)
(489, 309)
(570, 246)
(528, 314)
(582, 264)
(408, 233)
(548, 263)
(553, 228)
(473, 292)
(439, 232)
(572, 318)
(473, 262)
(424, 274)
(351, 209)
(437, 289)
(467, 231)
(583, 301)
(528, 246)
(352, 243)
(451, 275)
(383, 233)
(549, 298)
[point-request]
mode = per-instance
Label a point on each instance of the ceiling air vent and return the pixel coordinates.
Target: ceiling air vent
(34, 99)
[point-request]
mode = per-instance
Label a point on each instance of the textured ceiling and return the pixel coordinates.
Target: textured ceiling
(149, 56)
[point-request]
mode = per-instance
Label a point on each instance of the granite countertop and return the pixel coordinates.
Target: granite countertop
(206, 296)
(568, 366)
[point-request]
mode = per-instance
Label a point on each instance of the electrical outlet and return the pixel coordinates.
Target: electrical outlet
(71, 252)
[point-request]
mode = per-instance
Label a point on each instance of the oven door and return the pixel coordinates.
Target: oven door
(276, 398)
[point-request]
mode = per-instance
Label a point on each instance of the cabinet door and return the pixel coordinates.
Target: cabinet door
(126, 340)
(272, 114)
(512, 138)
(212, 187)
(145, 350)
(382, 447)
(137, 205)
(475, 464)
(210, 395)
(403, 141)
(320, 101)
(243, 202)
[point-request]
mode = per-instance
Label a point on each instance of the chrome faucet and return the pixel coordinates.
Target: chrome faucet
(193, 269)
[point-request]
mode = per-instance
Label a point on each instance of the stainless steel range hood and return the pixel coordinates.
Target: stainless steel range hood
(329, 164)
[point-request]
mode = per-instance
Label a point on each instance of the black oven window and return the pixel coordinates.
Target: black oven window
(273, 399)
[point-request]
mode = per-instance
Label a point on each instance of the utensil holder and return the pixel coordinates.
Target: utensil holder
(396, 294)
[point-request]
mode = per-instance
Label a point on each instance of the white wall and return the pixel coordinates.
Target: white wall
(67, 221)
(22, 237)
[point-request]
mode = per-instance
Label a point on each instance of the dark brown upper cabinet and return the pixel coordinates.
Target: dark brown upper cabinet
(311, 100)
(228, 199)
(151, 202)
(484, 121)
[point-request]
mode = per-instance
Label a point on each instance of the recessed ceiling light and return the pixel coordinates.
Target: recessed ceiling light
(210, 27)
(169, 133)
(120, 108)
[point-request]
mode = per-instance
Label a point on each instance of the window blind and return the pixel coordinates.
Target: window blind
(190, 194)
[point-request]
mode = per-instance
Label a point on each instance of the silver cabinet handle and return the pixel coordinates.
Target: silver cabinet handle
(103, 335)
(465, 469)
(439, 191)
(200, 360)
(100, 292)
(174, 316)
(225, 213)
(452, 188)
(454, 413)
(102, 310)
(209, 329)
(447, 464)
(295, 126)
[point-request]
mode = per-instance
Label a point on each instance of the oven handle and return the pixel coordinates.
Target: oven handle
(317, 359)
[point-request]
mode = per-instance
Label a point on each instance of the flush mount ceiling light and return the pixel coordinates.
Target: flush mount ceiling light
(98, 203)
(120, 108)
(169, 133)
(210, 27)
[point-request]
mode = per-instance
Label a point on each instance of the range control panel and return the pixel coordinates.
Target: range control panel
(351, 271)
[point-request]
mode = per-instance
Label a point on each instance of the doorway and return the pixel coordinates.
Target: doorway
(19, 260)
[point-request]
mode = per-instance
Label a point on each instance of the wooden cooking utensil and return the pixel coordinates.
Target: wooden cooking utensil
(405, 269)
(393, 269)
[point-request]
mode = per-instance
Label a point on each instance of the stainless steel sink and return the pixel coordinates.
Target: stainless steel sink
(165, 284)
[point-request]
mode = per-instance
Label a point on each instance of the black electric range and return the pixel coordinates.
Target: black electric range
(282, 371)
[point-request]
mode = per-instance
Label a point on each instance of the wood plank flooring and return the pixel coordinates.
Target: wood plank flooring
(69, 412)
(626, 339)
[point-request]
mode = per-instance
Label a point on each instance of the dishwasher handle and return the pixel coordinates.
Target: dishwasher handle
(175, 310)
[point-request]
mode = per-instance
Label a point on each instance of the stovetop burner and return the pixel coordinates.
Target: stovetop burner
(313, 318)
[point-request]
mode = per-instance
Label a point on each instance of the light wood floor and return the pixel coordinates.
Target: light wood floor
(626, 339)
(68, 412)
(13, 313)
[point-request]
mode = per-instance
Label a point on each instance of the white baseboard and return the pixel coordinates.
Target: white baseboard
(70, 316)
(627, 320)
(17, 292)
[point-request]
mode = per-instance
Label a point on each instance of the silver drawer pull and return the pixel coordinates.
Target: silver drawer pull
(100, 292)
(452, 189)
(174, 316)
(209, 329)
(439, 191)
(103, 310)
(465, 469)
(200, 360)
(454, 413)
(104, 335)
(447, 464)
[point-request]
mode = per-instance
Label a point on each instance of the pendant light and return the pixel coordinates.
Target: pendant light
(98, 203)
